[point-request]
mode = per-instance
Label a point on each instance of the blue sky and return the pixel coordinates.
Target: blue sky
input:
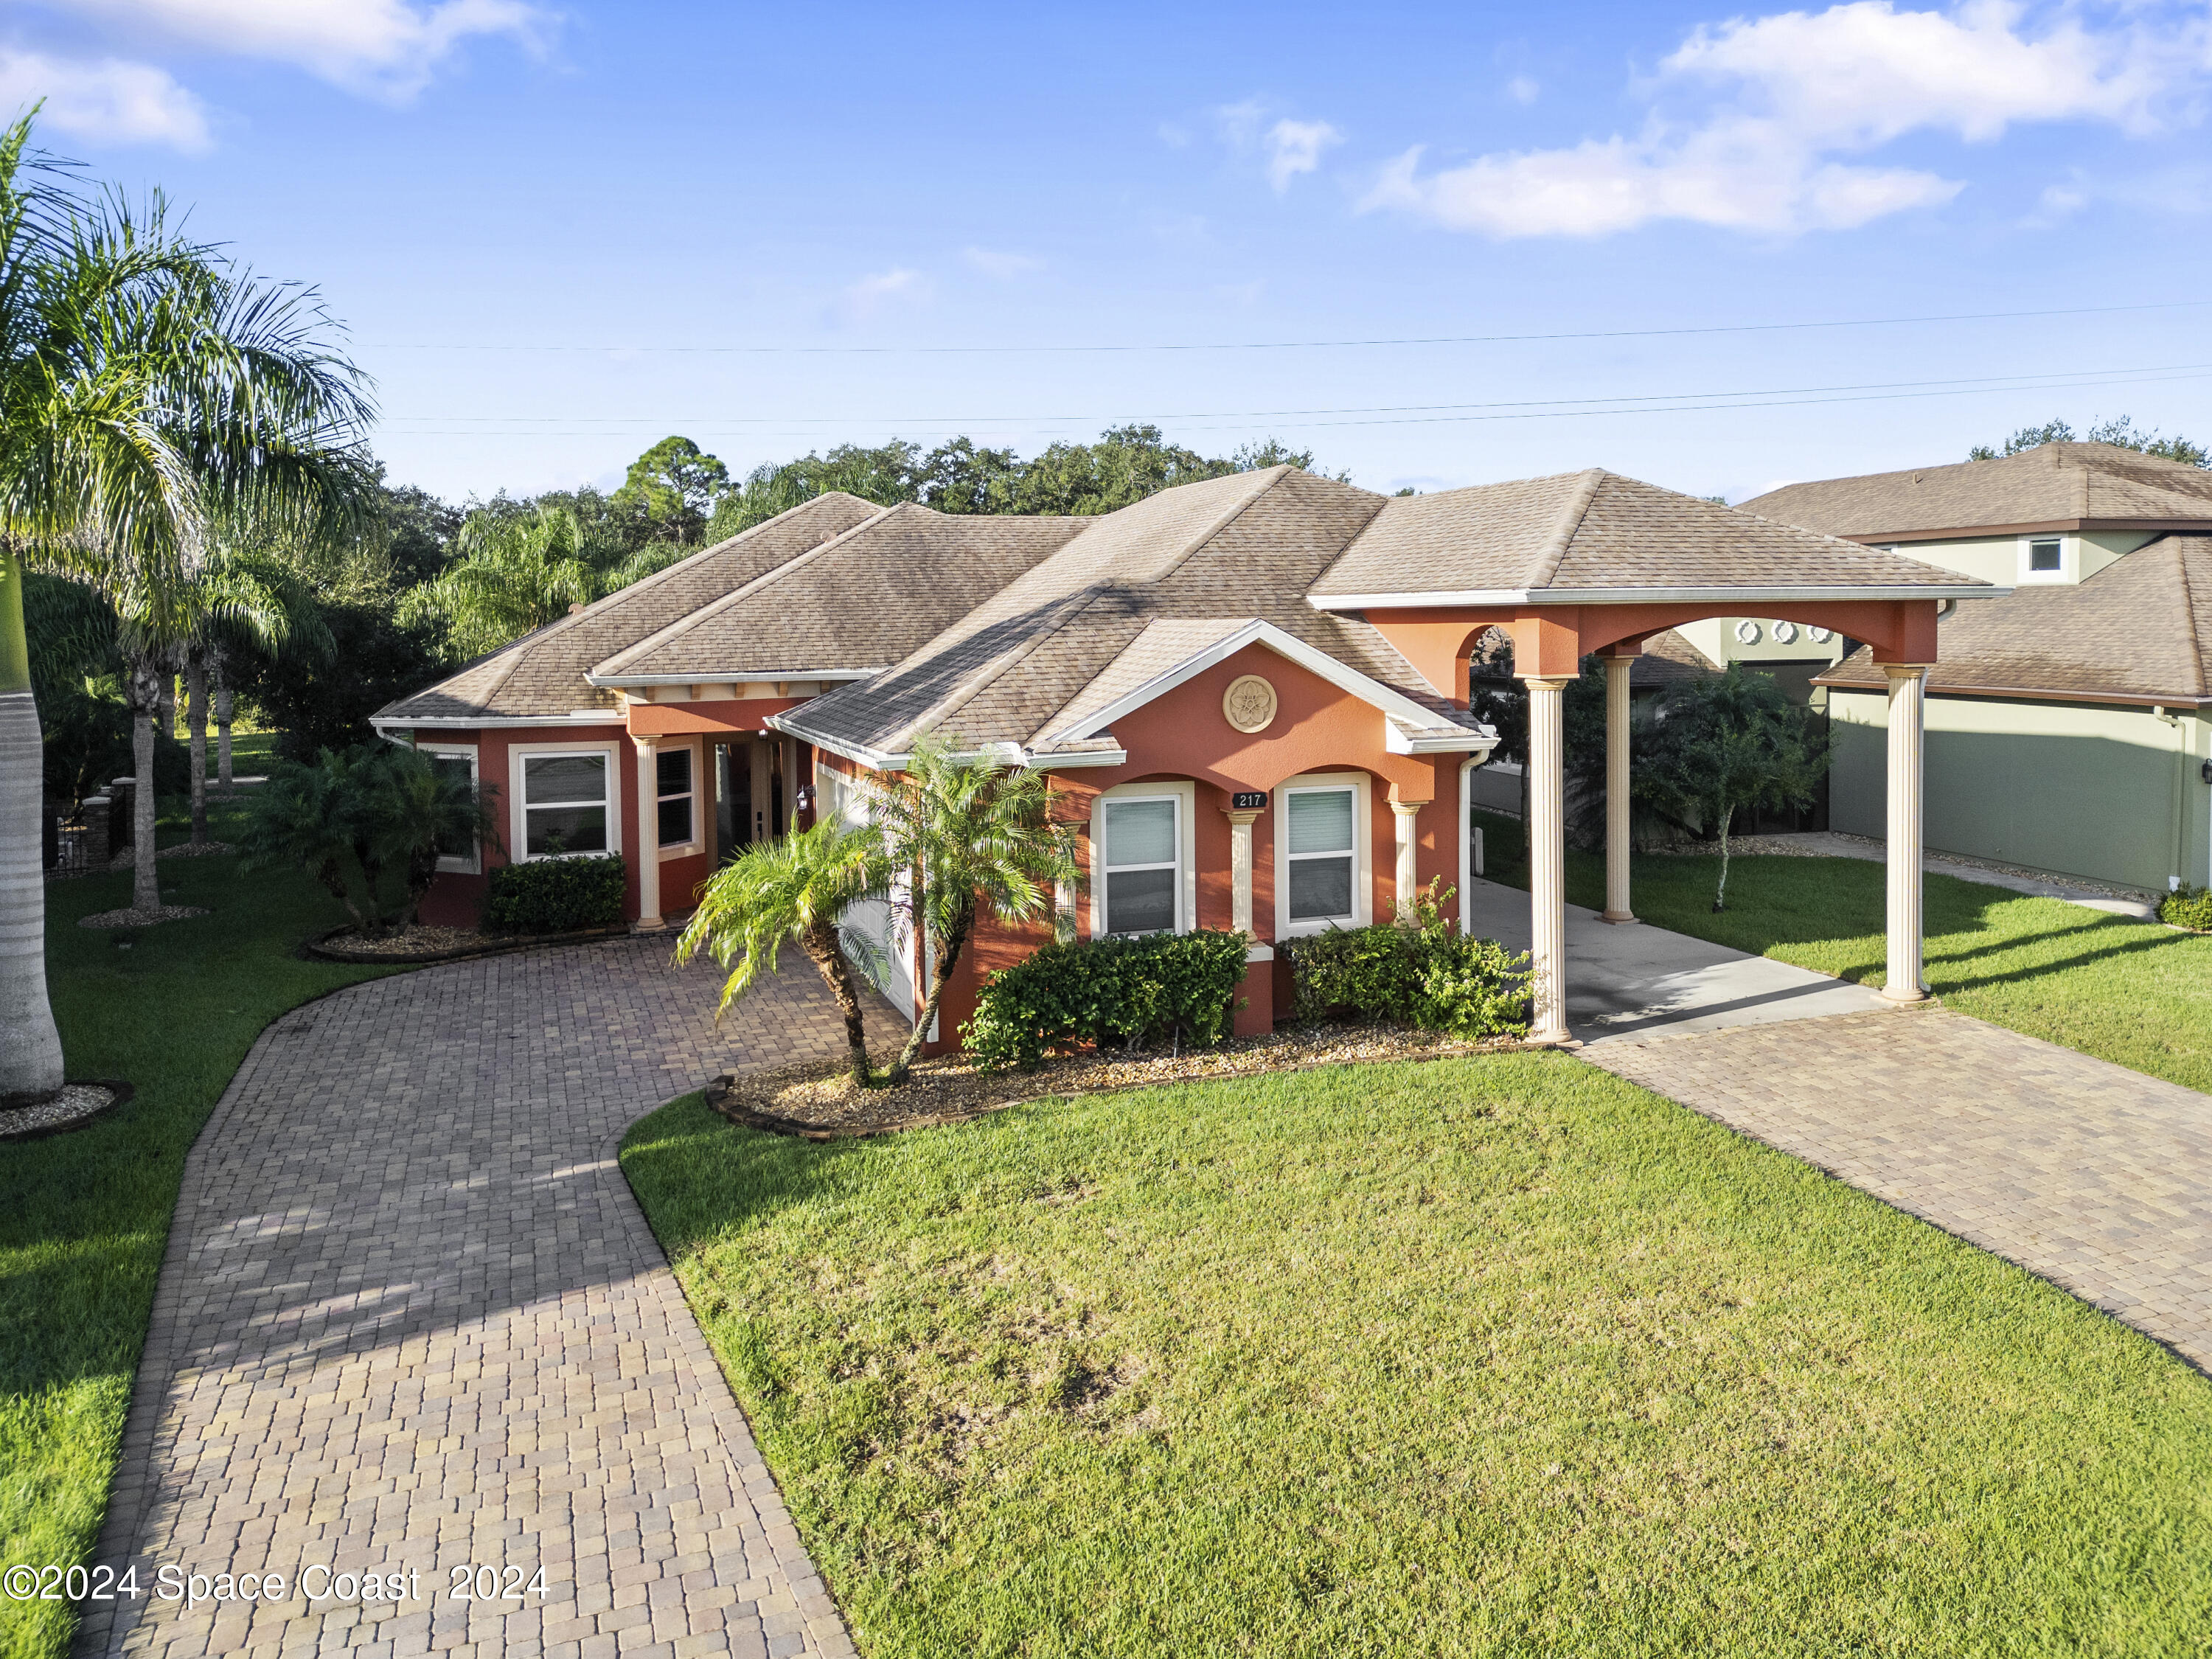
(518, 208)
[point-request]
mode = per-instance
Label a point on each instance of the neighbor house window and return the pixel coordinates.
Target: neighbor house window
(2043, 553)
(567, 803)
(460, 764)
(673, 769)
(1143, 863)
(1323, 854)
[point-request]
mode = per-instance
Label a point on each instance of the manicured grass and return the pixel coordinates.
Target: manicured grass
(84, 1218)
(2136, 993)
(1501, 1356)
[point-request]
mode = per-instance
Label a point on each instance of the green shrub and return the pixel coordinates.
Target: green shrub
(1151, 988)
(1428, 974)
(2188, 907)
(555, 896)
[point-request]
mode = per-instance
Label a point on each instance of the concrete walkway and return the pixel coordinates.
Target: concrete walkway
(411, 1318)
(1637, 981)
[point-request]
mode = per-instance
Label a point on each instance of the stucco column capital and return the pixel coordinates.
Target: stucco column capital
(1241, 815)
(1407, 809)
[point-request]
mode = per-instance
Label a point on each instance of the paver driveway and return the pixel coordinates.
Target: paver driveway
(411, 1318)
(2095, 1176)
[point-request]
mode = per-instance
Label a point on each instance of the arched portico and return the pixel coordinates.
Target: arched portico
(1549, 644)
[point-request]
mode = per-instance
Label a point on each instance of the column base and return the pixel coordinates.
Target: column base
(1617, 917)
(648, 925)
(1559, 1039)
(1903, 999)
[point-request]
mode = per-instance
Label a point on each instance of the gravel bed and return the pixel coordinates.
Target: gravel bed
(420, 940)
(819, 1100)
(127, 918)
(76, 1100)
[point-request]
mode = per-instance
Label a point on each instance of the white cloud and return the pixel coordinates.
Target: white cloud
(1522, 90)
(867, 298)
(999, 266)
(1295, 146)
(386, 47)
(106, 101)
(1802, 94)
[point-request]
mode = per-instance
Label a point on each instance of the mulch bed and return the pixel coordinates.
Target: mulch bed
(817, 1100)
(420, 945)
(78, 1105)
(130, 918)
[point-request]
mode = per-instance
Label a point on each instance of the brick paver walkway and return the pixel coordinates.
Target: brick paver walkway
(2095, 1176)
(411, 1318)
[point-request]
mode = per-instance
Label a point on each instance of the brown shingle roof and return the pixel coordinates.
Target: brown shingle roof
(2067, 483)
(1599, 532)
(2141, 628)
(865, 599)
(542, 674)
(1228, 552)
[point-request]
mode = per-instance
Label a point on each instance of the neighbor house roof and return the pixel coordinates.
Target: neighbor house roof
(2055, 486)
(1596, 536)
(541, 676)
(862, 601)
(1208, 560)
(2140, 630)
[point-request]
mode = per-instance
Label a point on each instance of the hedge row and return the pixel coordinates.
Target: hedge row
(555, 896)
(2188, 907)
(1106, 992)
(1429, 974)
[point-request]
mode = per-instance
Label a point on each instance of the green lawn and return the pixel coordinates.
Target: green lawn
(84, 1218)
(2136, 993)
(1500, 1356)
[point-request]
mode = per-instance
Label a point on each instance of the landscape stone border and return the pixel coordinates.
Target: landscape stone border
(119, 1095)
(320, 947)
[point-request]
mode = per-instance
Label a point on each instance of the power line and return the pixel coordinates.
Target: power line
(1293, 345)
(1390, 415)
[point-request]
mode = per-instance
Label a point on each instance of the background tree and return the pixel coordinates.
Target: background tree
(144, 383)
(796, 887)
(675, 485)
(1732, 744)
(2121, 431)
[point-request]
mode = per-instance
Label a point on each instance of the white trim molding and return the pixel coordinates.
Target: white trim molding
(1363, 852)
(664, 743)
(519, 803)
(1184, 792)
(1738, 597)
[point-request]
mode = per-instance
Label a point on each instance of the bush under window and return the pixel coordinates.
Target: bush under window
(1429, 974)
(555, 896)
(1153, 988)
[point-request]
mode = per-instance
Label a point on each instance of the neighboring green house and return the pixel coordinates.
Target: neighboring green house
(2069, 726)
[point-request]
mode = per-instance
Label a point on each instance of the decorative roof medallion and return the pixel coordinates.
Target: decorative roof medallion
(1249, 704)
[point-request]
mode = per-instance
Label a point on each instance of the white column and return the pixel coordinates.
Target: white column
(1548, 857)
(1406, 812)
(1908, 686)
(1240, 870)
(1616, 789)
(790, 748)
(647, 850)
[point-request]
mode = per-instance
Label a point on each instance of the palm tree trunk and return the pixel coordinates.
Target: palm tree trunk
(221, 724)
(948, 956)
(30, 1045)
(168, 694)
(146, 705)
(196, 713)
(1720, 898)
(820, 942)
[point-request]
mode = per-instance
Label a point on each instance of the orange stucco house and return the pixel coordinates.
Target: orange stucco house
(1250, 692)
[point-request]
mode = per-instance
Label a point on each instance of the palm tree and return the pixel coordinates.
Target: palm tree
(145, 388)
(515, 573)
(798, 888)
(969, 836)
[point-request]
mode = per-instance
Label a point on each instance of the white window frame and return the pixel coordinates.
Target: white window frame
(679, 849)
(1363, 852)
(473, 864)
(2069, 557)
(1184, 793)
(518, 801)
